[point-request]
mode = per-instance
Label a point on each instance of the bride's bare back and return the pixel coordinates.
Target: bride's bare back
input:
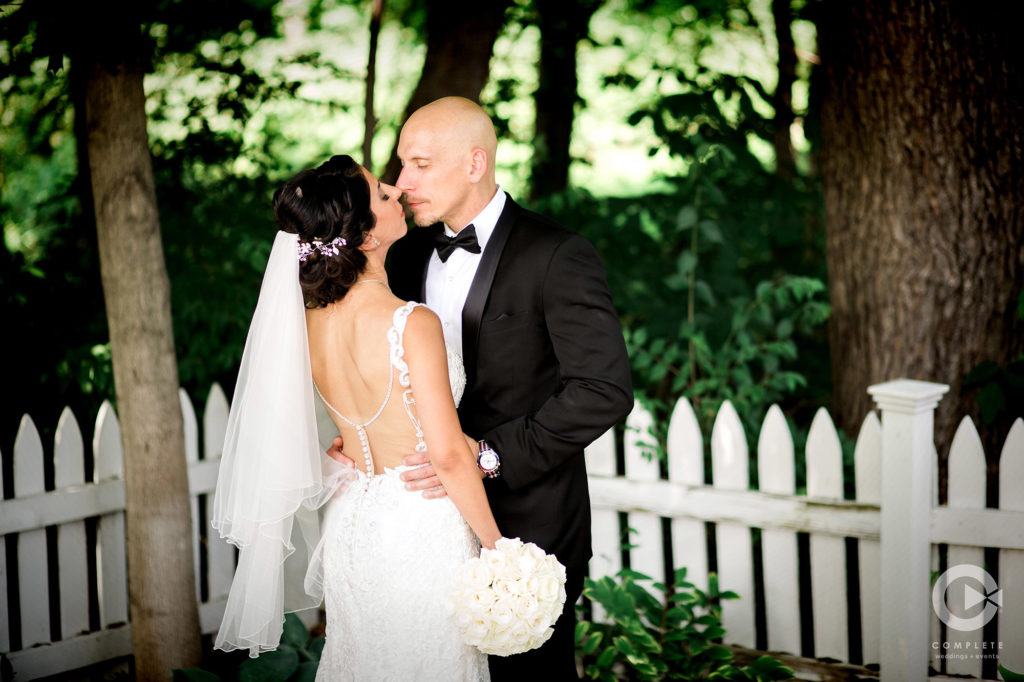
(350, 358)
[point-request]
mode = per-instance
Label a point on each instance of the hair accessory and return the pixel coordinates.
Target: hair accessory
(298, 192)
(330, 248)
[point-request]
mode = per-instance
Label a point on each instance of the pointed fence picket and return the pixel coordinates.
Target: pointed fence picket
(966, 491)
(685, 448)
(840, 591)
(776, 472)
(824, 458)
(868, 484)
(1011, 561)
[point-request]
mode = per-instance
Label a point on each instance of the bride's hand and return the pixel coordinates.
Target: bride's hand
(337, 453)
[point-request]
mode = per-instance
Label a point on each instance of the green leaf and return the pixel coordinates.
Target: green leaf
(606, 657)
(1007, 674)
(686, 218)
(590, 646)
(193, 675)
(272, 666)
(316, 648)
(294, 632)
(686, 262)
(305, 673)
(991, 401)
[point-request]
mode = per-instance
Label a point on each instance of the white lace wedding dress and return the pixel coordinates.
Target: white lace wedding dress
(389, 557)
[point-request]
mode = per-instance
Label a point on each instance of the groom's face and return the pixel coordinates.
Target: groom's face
(434, 174)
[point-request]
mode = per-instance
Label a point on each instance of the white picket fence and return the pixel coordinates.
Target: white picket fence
(68, 509)
(894, 464)
(894, 519)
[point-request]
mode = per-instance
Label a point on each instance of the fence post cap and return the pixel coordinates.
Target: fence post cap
(908, 396)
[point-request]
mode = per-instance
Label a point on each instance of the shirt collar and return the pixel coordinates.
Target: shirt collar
(485, 221)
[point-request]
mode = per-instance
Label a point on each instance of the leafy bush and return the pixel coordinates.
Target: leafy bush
(671, 639)
(295, 660)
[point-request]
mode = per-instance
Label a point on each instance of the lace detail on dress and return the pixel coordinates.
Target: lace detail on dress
(390, 558)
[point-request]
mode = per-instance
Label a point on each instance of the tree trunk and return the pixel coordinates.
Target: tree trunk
(923, 178)
(164, 614)
(562, 26)
(369, 120)
(460, 40)
(782, 101)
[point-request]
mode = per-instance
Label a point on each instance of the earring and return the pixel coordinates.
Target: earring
(376, 242)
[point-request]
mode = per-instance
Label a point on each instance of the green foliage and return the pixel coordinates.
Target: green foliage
(1010, 676)
(673, 638)
(1000, 390)
(295, 660)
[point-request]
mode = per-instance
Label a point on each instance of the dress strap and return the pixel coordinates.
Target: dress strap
(397, 343)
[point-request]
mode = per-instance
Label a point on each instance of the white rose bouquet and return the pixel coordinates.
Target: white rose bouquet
(506, 600)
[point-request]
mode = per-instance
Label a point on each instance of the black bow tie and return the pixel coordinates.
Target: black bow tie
(465, 239)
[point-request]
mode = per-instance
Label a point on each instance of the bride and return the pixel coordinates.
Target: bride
(381, 558)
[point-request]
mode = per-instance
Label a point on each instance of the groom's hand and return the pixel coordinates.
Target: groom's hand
(337, 453)
(422, 477)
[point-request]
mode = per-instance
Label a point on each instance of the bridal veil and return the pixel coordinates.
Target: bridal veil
(274, 474)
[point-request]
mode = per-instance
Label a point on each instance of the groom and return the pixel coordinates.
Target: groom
(525, 302)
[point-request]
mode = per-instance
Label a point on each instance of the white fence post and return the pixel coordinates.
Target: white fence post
(908, 411)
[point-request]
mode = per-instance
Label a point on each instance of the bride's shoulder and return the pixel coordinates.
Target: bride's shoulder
(422, 324)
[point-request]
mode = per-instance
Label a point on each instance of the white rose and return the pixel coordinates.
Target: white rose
(528, 565)
(477, 574)
(521, 635)
(503, 587)
(480, 600)
(509, 546)
(547, 588)
(525, 606)
(502, 614)
(477, 631)
(495, 561)
(535, 551)
(538, 623)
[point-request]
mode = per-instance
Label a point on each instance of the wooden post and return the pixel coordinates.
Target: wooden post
(908, 459)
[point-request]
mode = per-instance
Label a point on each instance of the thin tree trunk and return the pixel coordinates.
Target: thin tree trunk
(369, 120)
(923, 178)
(562, 25)
(782, 101)
(164, 614)
(460, 41)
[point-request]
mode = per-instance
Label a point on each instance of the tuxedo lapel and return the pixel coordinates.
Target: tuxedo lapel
(473, 310)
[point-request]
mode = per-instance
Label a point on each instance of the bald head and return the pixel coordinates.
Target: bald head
(461, 123)
(447, 150)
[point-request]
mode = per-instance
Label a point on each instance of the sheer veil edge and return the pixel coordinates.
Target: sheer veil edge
(274, 474)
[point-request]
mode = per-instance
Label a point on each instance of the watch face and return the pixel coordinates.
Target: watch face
(488, 460)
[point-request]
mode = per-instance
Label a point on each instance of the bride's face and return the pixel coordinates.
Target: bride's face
(387, 209)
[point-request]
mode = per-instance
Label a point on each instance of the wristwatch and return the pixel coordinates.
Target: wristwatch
(488, 461)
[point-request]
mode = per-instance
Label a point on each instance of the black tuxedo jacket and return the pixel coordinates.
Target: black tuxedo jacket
(546, 365)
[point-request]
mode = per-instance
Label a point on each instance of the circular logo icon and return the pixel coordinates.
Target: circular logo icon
(966, 597)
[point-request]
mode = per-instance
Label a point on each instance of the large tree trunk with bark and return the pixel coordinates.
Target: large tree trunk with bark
(164, 613)
(460, 41)
(923, 177)
(562, 25)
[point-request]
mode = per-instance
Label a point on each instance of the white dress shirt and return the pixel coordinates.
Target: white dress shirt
(448, 283)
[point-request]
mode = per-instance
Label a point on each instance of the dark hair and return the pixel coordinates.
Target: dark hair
(323, 203)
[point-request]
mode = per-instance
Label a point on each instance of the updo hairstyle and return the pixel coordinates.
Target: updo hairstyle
(324, 203)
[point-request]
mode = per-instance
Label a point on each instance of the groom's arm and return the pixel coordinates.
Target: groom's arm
(597, 390)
